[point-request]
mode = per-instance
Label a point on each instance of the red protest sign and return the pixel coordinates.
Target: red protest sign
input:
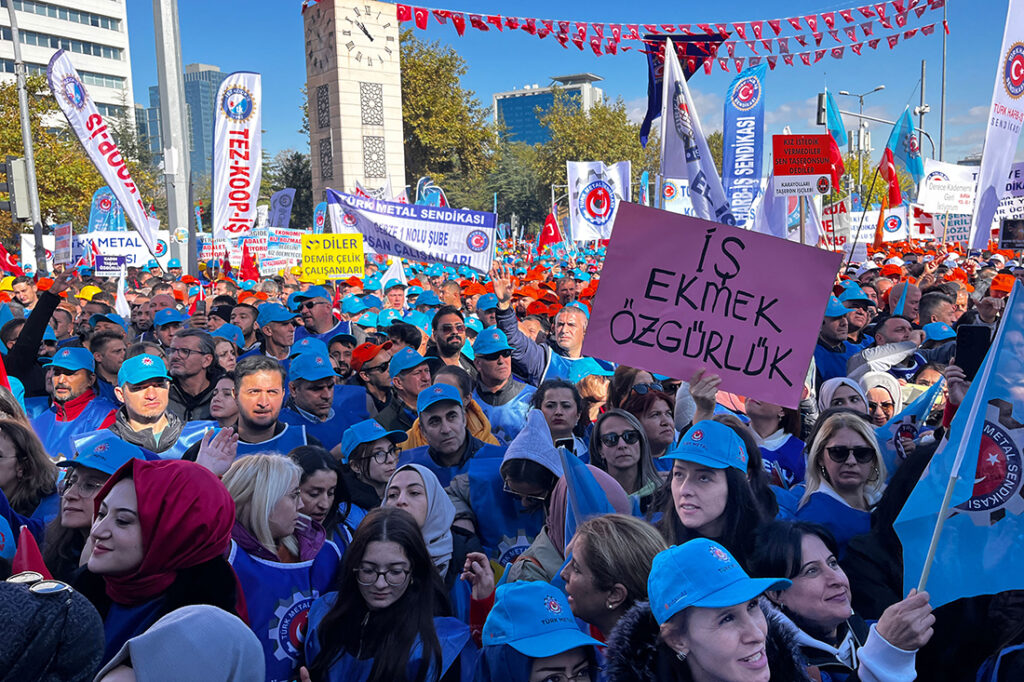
(679, 293)
(802, 164)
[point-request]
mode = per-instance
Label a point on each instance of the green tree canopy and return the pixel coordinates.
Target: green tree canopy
(290, 168)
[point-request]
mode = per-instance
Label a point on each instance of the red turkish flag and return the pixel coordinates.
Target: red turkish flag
(856, 47)
(851, 32)
(846, 15)
(441, 16)
(477, 22)
(512, 22)
(837, 52)
(788, 58)
(610, 46)
(909, 34)
(530, 26)
(756, 27)
(753, 61)
(829, 18)
(632, 32)
(595, 45)
(818, 54)
(459, 21)
(783, 44)
(805, 57)
(887, 171)
(873, 43)
(817, 38)
(767, 44)
(581, 30)
(866, 11)
(249, 269)
(494, 20)
(751, 46)
(794, 22)
(776, 25)
(928, 30)
(893, 40)
(868, 28)
(724, 63)
(616, 30)
(9, 262)
(880, 9)
(598, 30)
(741, 30)
(723, 30)
(802, 39)
(739, 64)
(901, 20)
(812, 21)
(772, 61)
(422, 16)
(550, 234)
(404, 12)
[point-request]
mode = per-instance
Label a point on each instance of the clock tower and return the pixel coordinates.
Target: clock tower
(354, 86)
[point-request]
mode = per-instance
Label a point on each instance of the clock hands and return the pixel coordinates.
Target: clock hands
(362, 28)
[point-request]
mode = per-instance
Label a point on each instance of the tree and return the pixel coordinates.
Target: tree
(870, 195)
(290, 168)
(447, 136)
(514, 179)
(715, 143)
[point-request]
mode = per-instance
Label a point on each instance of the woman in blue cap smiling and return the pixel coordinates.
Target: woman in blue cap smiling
(370, 454)
(531, 636)
(704, 623)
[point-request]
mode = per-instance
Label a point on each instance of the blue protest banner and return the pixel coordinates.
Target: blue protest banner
(743, 142)
(106, 215)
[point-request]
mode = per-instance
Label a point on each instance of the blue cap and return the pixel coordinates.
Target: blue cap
(168, 316)
(701, 573)
(274, 312)
(174, 263)
(581, 307)
(712, 444)
(309, 344)
(486, 302)
(101, 450)
(535, 619)
(248, 285)
(490, 340)
(367, 319)
(938, 331)
(231, 332)
(347, 339)
(435, 394)
(434, 270)
(152, 264)
(141, 368)
(351, 305)
(474, 324)
(291, 303)
(393, 284)
(48, 334)
(418, 320)
(73, 358)
(413, 291)
(405, 360)
(587, 366)
(854, 293)
(428, 298)
(371, 284)
(366, 431)
(311, 367)
(109, 317)
(835, 308)
(312, 292)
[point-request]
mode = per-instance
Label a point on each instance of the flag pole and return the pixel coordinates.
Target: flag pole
(939, 523)
(863, 212)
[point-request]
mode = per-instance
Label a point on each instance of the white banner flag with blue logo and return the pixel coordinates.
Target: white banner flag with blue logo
(433, 234)
(92, 131)
(237, 154)
(595, 193)
(743, 142)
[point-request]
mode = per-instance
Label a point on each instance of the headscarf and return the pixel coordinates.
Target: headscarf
(829, 388)
(560, 498)
(437, 529)
(889, 383)
(186, 515)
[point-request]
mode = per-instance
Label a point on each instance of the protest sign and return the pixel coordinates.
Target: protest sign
(802, 164)
(62, 244)
(1011, 234)
(109, 266)
(128, 244)
(947, 187)
(237, 154)
(680, 293)
(332, 256)
(836, 222)
(283, 243)
(435, 234)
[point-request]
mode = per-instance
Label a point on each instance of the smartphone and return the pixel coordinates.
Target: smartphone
(972, 342)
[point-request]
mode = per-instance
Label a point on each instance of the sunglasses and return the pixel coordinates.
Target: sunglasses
(499, 354)
(642, 389)
(630, 437)
(382, 367)
(840, 453)
(536, 498)
(450, 328)
(887, 407)
(309, 305)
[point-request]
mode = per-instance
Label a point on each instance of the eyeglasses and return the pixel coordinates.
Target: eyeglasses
(85, 487)
(187, 352)
(611, 439)
(536, 498)
(585, 675)
(369, 576)
(840, 453)
(494, 356)
(382, 456)
(309, 305)
(382, 367)
(449, 328)
(886, 407)
(642, 389)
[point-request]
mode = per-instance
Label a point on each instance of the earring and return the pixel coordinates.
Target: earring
(875, 473)
(610, 607)
(681, 655)
(822, 470)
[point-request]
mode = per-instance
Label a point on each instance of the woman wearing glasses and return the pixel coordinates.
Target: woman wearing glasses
(619, 446)
(370, 454)
(282, 558)
(388, 618)
(624, 381)
(845, 476)
(885, 398)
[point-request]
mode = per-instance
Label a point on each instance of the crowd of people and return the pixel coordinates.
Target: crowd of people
(384, 478)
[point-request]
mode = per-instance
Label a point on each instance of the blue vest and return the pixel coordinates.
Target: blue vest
(191, 434)
(509, 419)
(278, 597)
(57, 435)
(505, 529)
(844, 521)
(790, 458)
(453, 636)
(124, 622)
(445, 475)
(281, 444)
(36, 405)
(831, 364)
(560, 367)
(341, 328)
(349, 408)
(105, 390)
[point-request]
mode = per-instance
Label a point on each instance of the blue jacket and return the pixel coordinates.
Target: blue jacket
(475, 448)
(349, 407)
(841, 519)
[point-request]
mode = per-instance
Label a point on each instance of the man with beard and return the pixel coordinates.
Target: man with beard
(448, 339)
(191, 357)
(410, 374)
(244, 317)
(317, 403)
(340, 348)
(504, 400)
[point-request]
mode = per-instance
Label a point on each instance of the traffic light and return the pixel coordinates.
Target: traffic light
(15, 185)
(822, 116)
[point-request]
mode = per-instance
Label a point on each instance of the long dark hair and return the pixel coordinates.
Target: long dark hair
(62, 549)
(742, 516)
(313, 458)
(387, 635)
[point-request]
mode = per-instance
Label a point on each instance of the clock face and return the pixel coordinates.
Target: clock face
(366, 36)
(320, 39)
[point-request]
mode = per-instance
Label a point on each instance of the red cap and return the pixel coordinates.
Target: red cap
(365, 352)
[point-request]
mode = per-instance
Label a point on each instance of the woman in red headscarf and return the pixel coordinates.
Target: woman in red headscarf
(158, 542)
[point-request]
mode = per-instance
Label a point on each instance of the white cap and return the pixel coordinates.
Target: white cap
(894, 261)
(951, 262)
(928, 259)
(866, 267)
(999, 257)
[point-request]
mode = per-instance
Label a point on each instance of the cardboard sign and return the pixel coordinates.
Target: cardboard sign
(802, 164)
(1011, 234)
(680, 293)
(62, 244)
(331, 256)
(836, 222)
(109, 266)
(947, 188)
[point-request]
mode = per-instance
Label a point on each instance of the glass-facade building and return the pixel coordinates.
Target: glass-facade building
(520, 111)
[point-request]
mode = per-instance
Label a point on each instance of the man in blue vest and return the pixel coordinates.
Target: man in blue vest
(450, 447)
(277, 325)
(410, 374)
(504, 400)
(314, 305)
(75, 407)
(316, 402)
(833, 350)
(166, 324)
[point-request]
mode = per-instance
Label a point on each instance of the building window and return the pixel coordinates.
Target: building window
(326, 159)
(45, 9)
(371, 103)
(57, 43)
(323, 107)
(373, 157)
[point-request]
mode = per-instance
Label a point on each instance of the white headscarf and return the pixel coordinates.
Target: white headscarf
(889, 383)
(829, 388)
(437, 529)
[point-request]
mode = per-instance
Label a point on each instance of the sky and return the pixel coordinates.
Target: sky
(267, 36)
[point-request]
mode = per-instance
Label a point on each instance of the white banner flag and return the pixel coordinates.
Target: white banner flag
(836, 223)
(947, 187)
(237, 154)
(595, 193)
(684, 150)
(1004, 122)
(92, 131)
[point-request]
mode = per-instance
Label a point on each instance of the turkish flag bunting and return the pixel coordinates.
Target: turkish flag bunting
(893, 40)
(909, 34)
(805, 57)
(724, 63)
(846, 15)
(788, 58)
(771, 61)
(512, 22)
(549, 25)
(812, 21)
(851, 32)
(668, 28)
(530, 26)
(551, 234)
(581, 30)
(563, 39)
(632, 32)
(611, 47)
(873, 43)
(884, 21)
(866, 11)
(856, 47)
(753, 61)
(598, 30)
(422, 17)
(751, 45)
(578, 41)
(404, 12)
(783, 44)
(776, 25)
(691, 64)
(802, 39)
(794, 22)
(652, 28)
(868, 28)
(685, 28)
(880, 9)
(477, 21)
(898, 4)
(708, 63)
(829, 18)
(706, 28)
(739, 64)
(595, 45)
(755, 26)
(616, 30)
(741, 30)
(901, 19)
(767, 44)
(441, 16)
(920, 11)
(563, 27)
(723, 30)
(730, 48)
(928, 30)
(9, 262)
(459, 22)
(835, 35)
(818, 54)
(495, 20)
(837, 52)
(913, 4)
(817, 38)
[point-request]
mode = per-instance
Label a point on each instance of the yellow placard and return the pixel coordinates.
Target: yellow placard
(331, 256)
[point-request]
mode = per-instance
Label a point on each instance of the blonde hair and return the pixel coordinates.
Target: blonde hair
(827, 429)
(620, 549)
(256, 483)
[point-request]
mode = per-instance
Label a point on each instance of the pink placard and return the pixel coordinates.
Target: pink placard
(679, 293)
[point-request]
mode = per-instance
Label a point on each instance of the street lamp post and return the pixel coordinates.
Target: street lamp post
(860, 134)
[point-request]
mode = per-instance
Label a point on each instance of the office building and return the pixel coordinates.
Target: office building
(201, 83)
(93, 32)
(520, 111)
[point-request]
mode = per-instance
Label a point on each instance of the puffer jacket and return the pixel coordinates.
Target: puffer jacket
(635, 653)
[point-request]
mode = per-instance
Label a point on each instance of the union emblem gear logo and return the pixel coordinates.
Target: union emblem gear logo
(1013, 71)
(747, 93)
(237, 104)
(997, 480)
(288, 626)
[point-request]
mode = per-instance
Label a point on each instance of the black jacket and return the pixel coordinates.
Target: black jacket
(192, 407)
(21, 361)
(635, 653)
(145, 438)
